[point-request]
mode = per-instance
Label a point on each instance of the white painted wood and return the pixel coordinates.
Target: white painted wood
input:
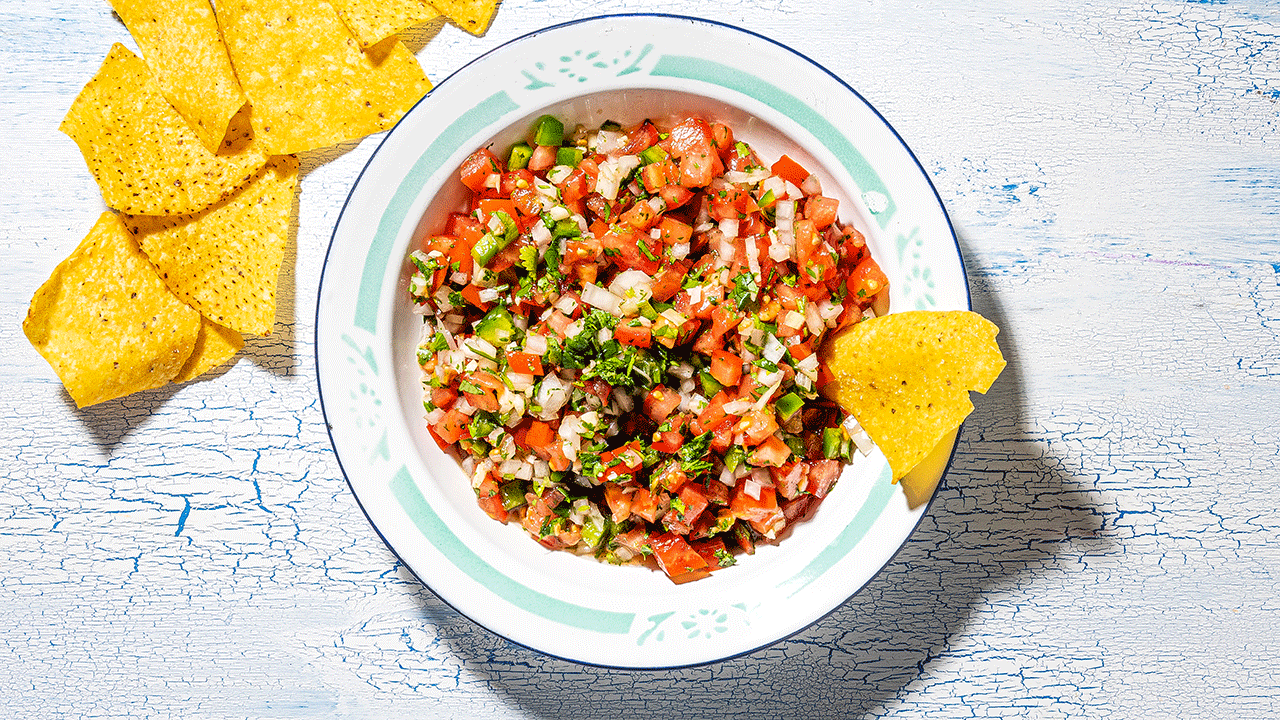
(1106, 545)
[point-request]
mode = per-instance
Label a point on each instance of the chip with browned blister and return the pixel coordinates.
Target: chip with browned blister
(906, 377)
(225, 261)
(307, 79)
(182, 46)
(105, 321)
(146, 158)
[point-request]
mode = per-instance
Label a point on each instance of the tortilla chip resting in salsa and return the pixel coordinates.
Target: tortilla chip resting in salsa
(906, 377)
(106, 322)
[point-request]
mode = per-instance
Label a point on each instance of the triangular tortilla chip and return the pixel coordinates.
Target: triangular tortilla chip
(906, 377)
(471, 15)
(226, 260)
(314, 87)
(105, 321)
(372, 21)
(145, 157)
(183, 48)
(214, 345)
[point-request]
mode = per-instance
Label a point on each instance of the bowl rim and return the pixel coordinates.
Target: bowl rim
(316, 331)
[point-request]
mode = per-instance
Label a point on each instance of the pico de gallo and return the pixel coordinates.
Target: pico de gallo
(620, 340)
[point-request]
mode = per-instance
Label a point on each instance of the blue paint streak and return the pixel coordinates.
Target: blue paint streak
(182, 519)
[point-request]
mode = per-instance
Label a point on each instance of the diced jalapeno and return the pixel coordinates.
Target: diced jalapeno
(566, 228)
(497, 327)
(734, 457)
(548, 131)
(788, 405)
(486, 247)
(710, 386)
(652, 154)
(570, 156)
(832, 442)
(512, 494)
(519, 158)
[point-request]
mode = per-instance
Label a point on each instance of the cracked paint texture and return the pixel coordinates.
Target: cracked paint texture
(1107, 542)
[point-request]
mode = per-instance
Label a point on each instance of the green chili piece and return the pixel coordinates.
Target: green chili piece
(710, 386)
(512, 494)
(519, 158)
(652, 155)
(832, 440)
(548, 131)
(788, 405)
(497, 327)
(570, 156)
(566, 228)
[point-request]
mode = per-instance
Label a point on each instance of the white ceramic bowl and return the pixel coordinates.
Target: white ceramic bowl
(621, 68)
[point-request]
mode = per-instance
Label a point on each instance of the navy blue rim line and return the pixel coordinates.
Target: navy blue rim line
(320, 293)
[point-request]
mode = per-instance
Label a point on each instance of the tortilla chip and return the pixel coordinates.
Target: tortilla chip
(145, 157)
(183, 48)
(906, 377)
(470, 15)
(372, 21)
(106, 322)
(214, 345)
(225, 261)
(315, 88)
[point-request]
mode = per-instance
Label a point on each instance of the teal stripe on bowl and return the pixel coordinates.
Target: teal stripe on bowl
(714, 73)
(448, 141)
(466, 560)
(852, 534)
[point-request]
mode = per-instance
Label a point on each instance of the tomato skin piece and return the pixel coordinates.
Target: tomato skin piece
(668, 441)
(726, 368)
(634, 336)
(722, 137)
(443, 397)
(757, 426)
(866, 280)
(669, 280)
(645, 504)
(477, 168)
(711, 550)
(770, 452)
(526, 363)
(789, 170)
(675, 196)
(764, 514)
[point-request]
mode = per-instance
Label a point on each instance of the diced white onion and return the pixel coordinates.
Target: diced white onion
(682, 370)
(535, 344)
(753, 256)
(793, 320)
(597, 296)
(541, 235)
(729, 226)
(813, 319)
(490, 295)
(566, 304)
(435, 416)
(520, 381)
(738, 407)
(811, 185)
(680, 251)
(559, 212)
(636, 281)
(510, 467)
(625, 402)
(773, 350)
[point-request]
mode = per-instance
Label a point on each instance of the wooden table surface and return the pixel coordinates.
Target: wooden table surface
(1107, 543)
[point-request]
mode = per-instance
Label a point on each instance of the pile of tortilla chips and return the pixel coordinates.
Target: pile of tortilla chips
(193, 146)
(906, 377)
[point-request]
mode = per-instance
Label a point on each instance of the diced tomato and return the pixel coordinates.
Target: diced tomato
(544, 156)
(656, 176)
(635, 336)
(661, 402)
(757, 426)
(866, 280)
(640, 138)
(712, 415)
(477, 168)
(722, 136)
(695, 501)
(722, 435)
(669, 476)
(676, 558)
(523, 362)
(669, 280)
(575, 187)
(490, 386)
(851, 245)
(618, 500)
(714, 552)
(599, 388)
(450, 427)
(626, 251)
(814, 257)
(674, 232)
(821, 210)
(724, 318)
(763, 514)
(443, 397)
(770, 452)
(489, 498)
(471, 294)
(645, 504)
(669, 441)
(726, 367)
(790, 170)
(675, 196)
(636, 540)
